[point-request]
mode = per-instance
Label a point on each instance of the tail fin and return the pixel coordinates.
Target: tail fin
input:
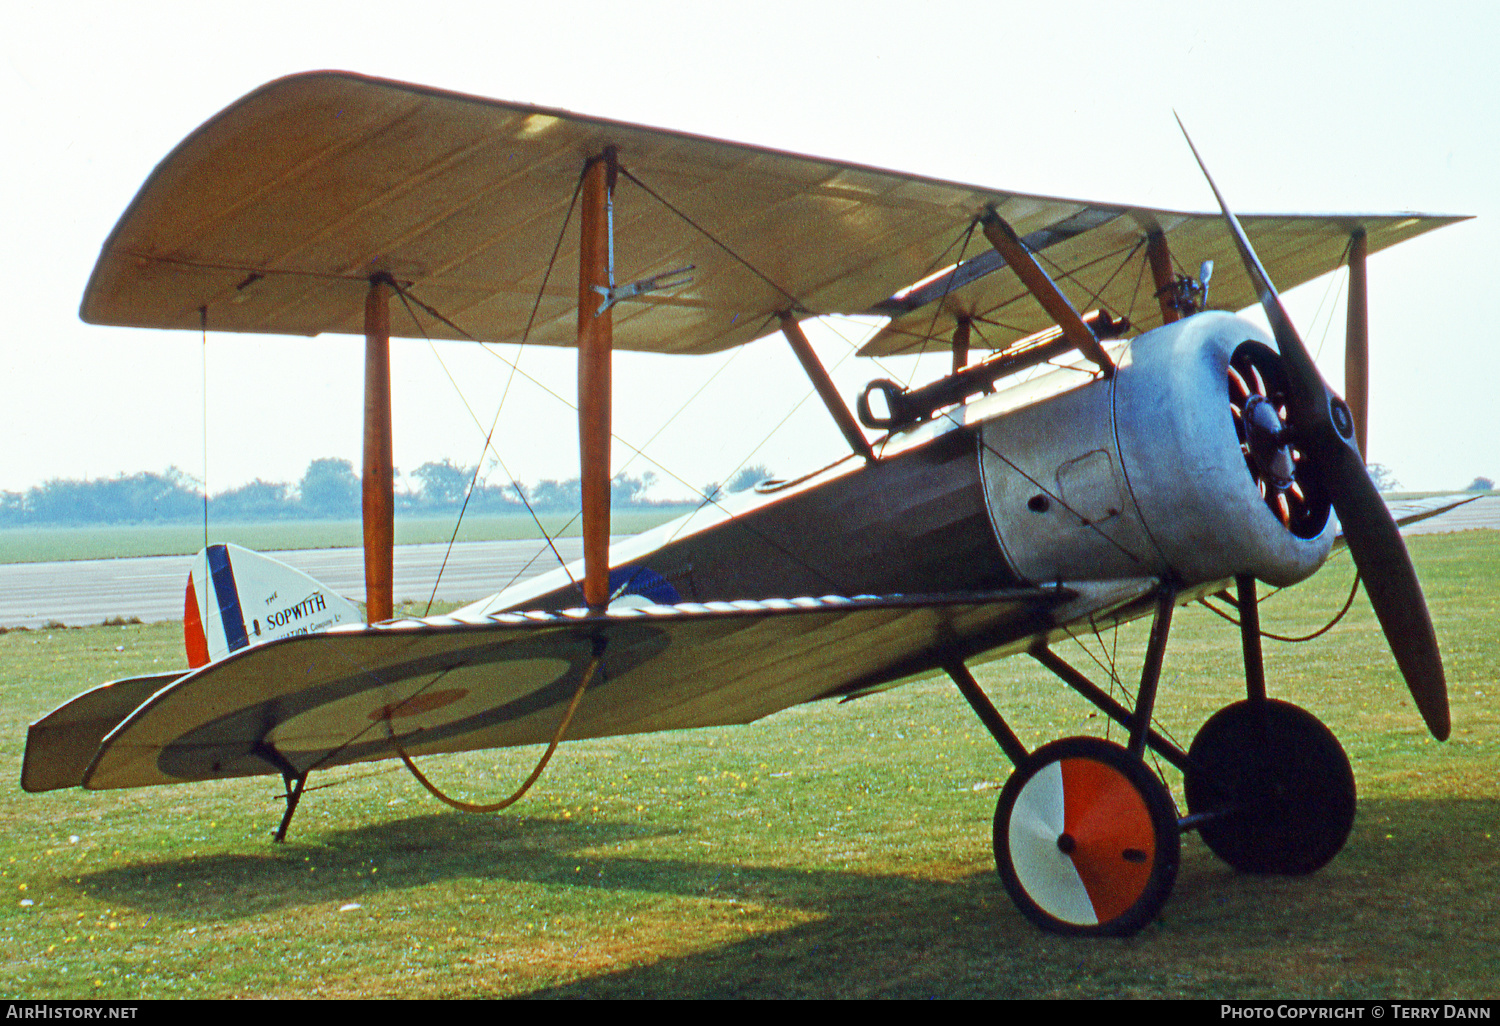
(237, 599)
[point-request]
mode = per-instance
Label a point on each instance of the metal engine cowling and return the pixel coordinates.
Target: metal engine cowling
(1144, 473)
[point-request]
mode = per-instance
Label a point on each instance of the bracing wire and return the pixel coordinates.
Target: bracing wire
(1331, 295)
(489, 435)
(203, 326)
(1353, 590)
(474, 480)
(711, 237)
(820, 572)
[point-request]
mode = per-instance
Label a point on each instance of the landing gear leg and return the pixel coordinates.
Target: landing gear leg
(1271, 784)
(1006, 738)
(1086, 836)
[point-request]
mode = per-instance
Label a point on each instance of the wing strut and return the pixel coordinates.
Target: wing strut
(1011, 745)
(826, 389)
(1357, 340)
(595, 341)
(1010, 247)
(378, 486)
(1160, 258)
(961, 342)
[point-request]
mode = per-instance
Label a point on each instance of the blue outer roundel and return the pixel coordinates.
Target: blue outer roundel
(648, 584)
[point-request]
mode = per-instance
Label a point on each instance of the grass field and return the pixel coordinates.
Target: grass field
(828, 851)
(44, 544)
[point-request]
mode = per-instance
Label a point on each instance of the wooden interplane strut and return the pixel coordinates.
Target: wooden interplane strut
(378, 500)
(1357, 340)
(594, 373)
(1160, 258)
(961, 343)
(824, 384)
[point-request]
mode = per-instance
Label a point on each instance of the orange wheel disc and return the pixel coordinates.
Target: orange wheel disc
(1086, 839)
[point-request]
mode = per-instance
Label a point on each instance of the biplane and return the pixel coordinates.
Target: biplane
(1123, 449)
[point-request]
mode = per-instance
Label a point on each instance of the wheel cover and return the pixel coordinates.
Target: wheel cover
(1289, 775)
(1086, 838)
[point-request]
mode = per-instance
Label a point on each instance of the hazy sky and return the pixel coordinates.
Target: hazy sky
(1298, 107)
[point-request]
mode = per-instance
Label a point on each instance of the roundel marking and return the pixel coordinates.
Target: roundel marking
(410, 706)
(417, 704)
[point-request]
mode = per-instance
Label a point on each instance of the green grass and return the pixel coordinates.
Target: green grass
(44, 544)
(828, 851)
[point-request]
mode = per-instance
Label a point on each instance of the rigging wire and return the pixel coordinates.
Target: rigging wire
(1083, 520)
(1117, 682)
(949, 415)
(796, 303)
(1095, 294)
(1353, 590)
(473, 481)
(791, 413)
(489, 435)
(822, 573)
(203, 326)
(937, 307)
(1336, 281)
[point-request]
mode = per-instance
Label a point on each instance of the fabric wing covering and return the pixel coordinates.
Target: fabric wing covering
(448, 685)
(273, 215)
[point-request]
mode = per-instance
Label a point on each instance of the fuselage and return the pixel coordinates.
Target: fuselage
(1067, 477)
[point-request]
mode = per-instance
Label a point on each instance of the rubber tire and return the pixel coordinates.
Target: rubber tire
(1124, 861)
(1294, 785)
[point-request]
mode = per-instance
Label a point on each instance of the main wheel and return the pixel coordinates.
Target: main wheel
(1086, 839)
(1283, 783)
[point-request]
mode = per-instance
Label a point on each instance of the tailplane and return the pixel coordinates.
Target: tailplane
(238, 599)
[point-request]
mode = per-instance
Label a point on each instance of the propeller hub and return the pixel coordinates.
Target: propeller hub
(1343, 420)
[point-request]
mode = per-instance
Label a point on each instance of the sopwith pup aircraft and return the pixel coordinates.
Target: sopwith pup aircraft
(1126, 446)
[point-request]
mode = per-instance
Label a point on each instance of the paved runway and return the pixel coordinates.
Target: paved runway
(1481, 513)
(85, 592)
(90, 591)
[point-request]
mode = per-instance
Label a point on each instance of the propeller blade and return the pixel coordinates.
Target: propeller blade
(1390, 580)
(1323, 423)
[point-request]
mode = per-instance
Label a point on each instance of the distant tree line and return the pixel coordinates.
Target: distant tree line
(328, 490)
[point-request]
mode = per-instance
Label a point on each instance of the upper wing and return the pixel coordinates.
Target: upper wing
(272, 216)
(1098, 256)
(448, 684)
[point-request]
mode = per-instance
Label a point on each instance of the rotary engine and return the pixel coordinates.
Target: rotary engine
(1182, 464)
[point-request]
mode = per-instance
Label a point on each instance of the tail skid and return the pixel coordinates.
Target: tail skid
(238, 599)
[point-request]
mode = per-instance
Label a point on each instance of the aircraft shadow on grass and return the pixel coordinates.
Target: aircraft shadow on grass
(878, 934)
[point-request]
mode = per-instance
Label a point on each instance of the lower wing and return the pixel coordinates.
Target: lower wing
(448, 684)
